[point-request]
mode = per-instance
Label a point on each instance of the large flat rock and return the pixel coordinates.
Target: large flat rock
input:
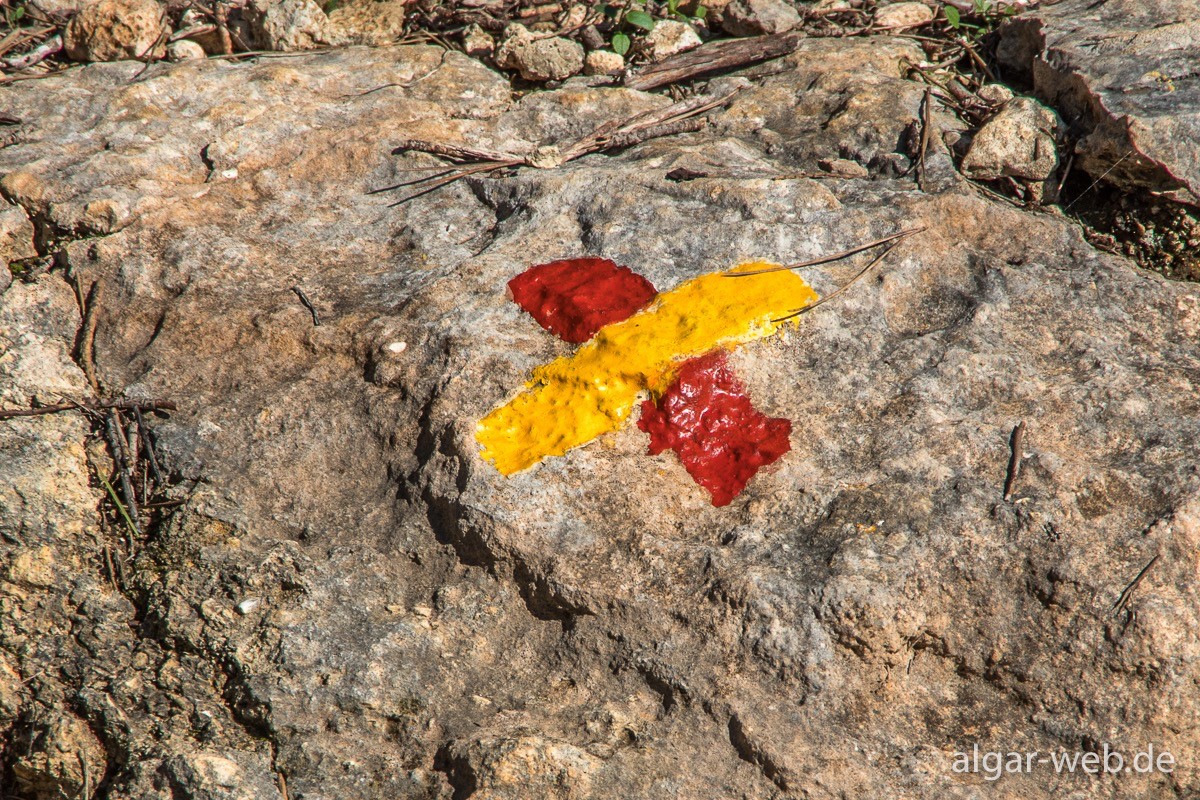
(1125, 72)
(593, 627)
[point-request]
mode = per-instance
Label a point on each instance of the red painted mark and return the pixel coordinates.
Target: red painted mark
(707, 419)
(576, 297)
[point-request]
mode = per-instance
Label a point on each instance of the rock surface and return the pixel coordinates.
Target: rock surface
(291, 25)
(538, 57)
(592, 627)
(116, 30)
(370, 22)
(1126, 70)
(758, 17)
(670, 37)
(901, 16)
(1019, 142)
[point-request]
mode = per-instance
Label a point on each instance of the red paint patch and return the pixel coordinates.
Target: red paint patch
(707, 419)
(576, 297)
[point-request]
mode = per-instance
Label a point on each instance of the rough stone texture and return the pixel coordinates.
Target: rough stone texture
(184, 49)
(538, 58)
(290, 25)
(16, 235)
(670, 37)
(370, 22)
(1125, 71)
(899, 16)
(603, 62)
(478, 42)
(593, 627)
(757, 17)
(1018, 142)
(115, 30)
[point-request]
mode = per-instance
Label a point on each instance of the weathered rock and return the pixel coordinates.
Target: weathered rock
(900, 16)
(184, 50)
(1018, 142)
(539, 58)
(116, 30)
(1133, 101)
(670, 37)
(603, 62)
(757, 17)
(478, 42)
(58, 756)
(290, 25)
(62, 9)
(995, 94)
(215, 776)
(369, 22)
(16, 235)
(429, 628)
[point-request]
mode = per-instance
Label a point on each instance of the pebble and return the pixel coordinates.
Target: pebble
(248, 605)
(184, 50)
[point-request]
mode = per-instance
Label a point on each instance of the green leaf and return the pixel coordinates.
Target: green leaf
(640, 19)
(16, 15)
(672, 6)
(953, 17)
(620, 43)
(701, 12)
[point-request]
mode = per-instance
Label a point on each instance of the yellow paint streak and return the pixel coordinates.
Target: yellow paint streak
(575, 398)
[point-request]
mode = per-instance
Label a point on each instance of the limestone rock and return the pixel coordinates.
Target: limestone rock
(1135, 98)
(478, 42)
(369, 22)
(603, 62)
(116, 30)
(757, 17)
(537, 58)
(428, 627)
(1018, 142)
(899, 16)
(291, 25)
(670, 37)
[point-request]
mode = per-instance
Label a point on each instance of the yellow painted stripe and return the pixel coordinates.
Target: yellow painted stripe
(575, 398)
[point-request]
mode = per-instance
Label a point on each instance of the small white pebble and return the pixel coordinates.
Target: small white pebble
(229, 174)
(397, 347)
(248, 605)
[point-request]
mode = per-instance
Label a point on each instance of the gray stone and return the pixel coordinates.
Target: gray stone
(1018, 142)
(670, 37)
(757, 17)
(184, 50)
(1123, 72)
(591, 627)
(291, 25)
(901, 16)
(538, 57)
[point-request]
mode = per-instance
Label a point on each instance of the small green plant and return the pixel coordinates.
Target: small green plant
(639, 18)
(985, 15)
